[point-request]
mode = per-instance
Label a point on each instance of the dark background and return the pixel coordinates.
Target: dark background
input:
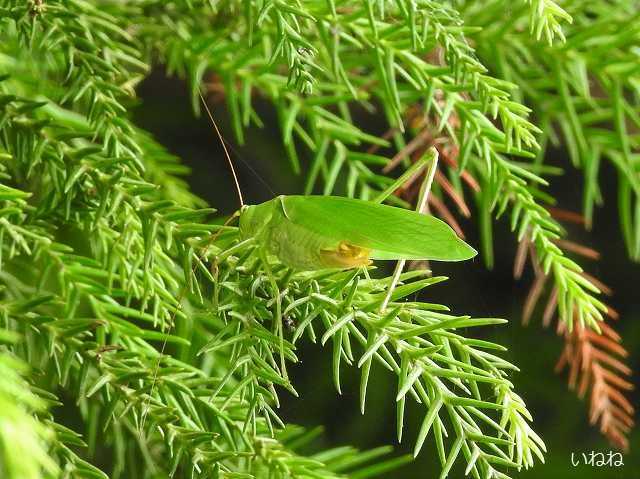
(560, 417)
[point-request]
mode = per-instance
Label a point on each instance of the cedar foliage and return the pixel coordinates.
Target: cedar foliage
(120, 294)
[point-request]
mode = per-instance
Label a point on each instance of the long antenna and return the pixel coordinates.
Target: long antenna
(224, 146)
(183, 291)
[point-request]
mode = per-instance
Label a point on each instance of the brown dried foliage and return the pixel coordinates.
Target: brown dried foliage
(593, 363)
(594, 360)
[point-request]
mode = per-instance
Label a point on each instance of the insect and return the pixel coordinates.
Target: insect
(318, 232)
(321, 232)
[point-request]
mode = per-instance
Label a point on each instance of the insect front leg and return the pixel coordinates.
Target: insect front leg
(284, 209)
(278, 323)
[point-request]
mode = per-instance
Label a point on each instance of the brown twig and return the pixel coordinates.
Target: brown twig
(578, 249)
(449, 156)
(566, 215)
(457, 198)
(521, 257)
(445, 213)
(423, 138)
(532, 298)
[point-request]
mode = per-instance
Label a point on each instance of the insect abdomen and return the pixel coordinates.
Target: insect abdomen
(297, 247)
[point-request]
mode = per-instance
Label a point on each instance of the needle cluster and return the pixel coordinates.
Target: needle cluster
(106, 257)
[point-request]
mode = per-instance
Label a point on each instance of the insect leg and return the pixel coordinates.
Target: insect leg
(284, 210)
(279, 328)
(421, 208)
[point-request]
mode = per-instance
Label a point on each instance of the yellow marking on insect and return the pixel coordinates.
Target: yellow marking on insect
(346, 255)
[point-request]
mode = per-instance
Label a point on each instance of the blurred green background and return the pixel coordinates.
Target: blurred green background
(560, 417)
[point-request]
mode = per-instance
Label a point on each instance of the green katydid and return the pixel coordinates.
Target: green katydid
(323, 232)
(319, 232)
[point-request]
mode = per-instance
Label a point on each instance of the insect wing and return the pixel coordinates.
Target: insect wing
(390, 233)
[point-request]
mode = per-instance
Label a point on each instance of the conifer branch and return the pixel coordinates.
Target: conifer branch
(98, 234)
(585, 92)
(460, 97)
(594, 359)
(93, 315)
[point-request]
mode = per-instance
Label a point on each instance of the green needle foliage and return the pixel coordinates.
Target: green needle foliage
(86, 320)
(385, 48)
(121, 296)
(584, 93)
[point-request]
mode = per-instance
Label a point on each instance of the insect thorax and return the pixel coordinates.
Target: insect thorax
(254, 219)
